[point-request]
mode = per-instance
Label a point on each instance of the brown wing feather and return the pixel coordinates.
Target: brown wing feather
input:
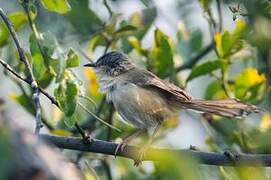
(147, 78)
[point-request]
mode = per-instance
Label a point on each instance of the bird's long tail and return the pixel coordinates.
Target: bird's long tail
(226, 108)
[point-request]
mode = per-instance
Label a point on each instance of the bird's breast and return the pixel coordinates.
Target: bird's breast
(141, 107)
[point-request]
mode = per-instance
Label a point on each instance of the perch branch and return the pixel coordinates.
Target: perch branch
(131, 152)
(32, 81)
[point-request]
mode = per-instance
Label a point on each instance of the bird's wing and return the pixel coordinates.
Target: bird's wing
(149, 79)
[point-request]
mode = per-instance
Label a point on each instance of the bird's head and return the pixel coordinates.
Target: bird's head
(111, 64)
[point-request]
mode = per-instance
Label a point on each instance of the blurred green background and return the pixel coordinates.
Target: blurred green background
(214, 49)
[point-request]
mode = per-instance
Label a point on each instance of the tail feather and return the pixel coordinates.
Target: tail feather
(226, 108)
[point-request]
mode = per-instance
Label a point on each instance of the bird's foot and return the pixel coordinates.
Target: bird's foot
(193, 148)
(141, 155)
(233, 157)
(120, 147)
(87, 139)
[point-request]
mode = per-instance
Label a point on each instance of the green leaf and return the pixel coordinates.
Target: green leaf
(45, 80)
(205, 4)
(162, 55)
(135, 43)
(34, 48)
(205, 68)
(229, 43)
(33, 10)
(126, 28)
(83, 19)
(59, 6)
(48, 43)
(250, 85)
(226, 43)
(41, 72)
(96, 41)
(72, 60)
(57, 67)
(189, 43)
(70, 121)
(18, 19)
(66, 95)
(195, 42)
(142, 20)
(214, 91)
(38, 66)
(24, 101)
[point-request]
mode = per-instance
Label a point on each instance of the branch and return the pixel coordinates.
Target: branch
(131, 152)
(51, 98)
(108, 8)
(7, 67)
(220, 18)
(33, 27)
(196, 58)
(32, 81)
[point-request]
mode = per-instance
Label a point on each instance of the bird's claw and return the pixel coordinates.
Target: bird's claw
(120, 147)
(231, 156)
(192, 147)
(88, 139)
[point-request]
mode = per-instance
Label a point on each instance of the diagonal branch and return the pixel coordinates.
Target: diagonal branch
(131, 152)
(196, 58)
(32, 81)
(7, 67)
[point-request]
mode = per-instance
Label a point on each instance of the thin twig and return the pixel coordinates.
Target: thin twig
(90, 123)
(211, 20)
(220, 18)
(23, 58)
(53, 100)
(190, 63)
(110, 120)
(97, 118)
(106, 166)
(108, 8)
(131, 152)
(33, 28)
(89, 100)
(7, 67)
(107, 47)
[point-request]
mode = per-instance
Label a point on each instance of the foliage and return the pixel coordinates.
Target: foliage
(228, 70)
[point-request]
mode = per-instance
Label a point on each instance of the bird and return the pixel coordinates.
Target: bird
(146, 101)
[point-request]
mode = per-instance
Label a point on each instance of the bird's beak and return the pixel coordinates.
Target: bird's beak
(90, 65)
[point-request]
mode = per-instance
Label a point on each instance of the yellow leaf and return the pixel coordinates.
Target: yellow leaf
(93, 85)
(253, 77)
(13, 96)
(57, 115)
(184, 31)
(240, 26)
(218, 42)
(265, 122)
(61, 132)
(171, 122)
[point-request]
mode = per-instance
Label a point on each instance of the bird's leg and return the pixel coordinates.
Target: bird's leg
(127, 140)
(142, 151)
(86, 138)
